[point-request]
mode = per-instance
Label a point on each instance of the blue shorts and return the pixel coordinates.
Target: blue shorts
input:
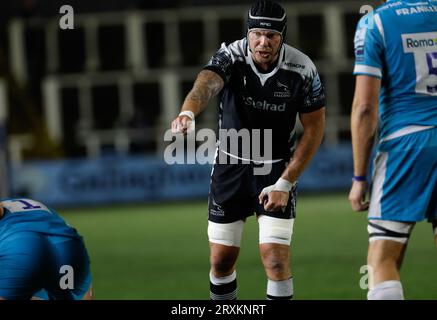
(404, 186)
(31, 266)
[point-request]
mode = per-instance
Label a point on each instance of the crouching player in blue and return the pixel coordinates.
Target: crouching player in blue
(41, 257)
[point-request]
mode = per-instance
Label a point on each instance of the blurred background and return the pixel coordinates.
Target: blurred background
(83, 113)
(109, 88)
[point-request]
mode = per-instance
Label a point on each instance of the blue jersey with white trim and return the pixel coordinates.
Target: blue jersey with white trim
(30, 215)
(398, 43)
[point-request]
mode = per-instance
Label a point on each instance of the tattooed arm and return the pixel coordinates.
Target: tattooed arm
(207, 85)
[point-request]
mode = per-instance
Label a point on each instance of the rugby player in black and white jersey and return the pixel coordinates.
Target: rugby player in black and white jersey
(264, 84)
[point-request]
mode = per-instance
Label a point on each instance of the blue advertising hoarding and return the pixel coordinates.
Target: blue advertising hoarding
(143, 179)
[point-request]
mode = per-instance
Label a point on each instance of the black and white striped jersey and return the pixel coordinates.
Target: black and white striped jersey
(251, 99)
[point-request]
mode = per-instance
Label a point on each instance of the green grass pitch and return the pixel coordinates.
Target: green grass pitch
(160, 252)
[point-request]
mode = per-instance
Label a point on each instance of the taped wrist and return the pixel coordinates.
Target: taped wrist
(189, 114)
(191, 124)
(283, 185)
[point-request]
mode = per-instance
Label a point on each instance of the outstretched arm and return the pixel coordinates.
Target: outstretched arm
(364, 121)
(207, 85)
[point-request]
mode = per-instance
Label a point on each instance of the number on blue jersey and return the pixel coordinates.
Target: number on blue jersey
(20, 205)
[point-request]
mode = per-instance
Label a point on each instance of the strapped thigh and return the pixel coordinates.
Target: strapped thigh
(227, 234)
(389, 230)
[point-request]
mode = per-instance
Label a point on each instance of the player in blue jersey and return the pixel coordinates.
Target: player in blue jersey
(264, 84)
(41, 257)
(396, 87)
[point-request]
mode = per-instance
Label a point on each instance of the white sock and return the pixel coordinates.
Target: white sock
(280, 290)
(387, 290)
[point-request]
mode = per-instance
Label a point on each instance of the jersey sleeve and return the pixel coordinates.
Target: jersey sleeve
(369, 46)
(221, 63)
(314, 93)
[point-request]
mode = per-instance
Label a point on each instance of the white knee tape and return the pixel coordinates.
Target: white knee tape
(227, 234)
(275, 230)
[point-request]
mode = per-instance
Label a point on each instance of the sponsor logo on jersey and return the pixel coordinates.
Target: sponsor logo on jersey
(294, 65)
(317, 86)
(416, 9)
(423, 43)
(282, 94)
(264, 105)
(419, 41)
(359, 39)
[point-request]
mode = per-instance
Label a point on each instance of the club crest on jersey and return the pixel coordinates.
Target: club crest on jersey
(284, 93)
(264, 105)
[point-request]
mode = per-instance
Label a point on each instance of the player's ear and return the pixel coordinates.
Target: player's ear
(1, 210)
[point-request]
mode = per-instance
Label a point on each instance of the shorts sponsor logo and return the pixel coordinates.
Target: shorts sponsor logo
(217, 209)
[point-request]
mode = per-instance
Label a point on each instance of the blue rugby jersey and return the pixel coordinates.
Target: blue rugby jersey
(30, 215)
(398, 43)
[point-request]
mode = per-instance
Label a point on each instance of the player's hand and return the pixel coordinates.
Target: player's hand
(357, 196)
(273, 200)
(183, 125)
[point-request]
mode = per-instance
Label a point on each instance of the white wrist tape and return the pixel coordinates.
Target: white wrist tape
(283, 185)
(189, 114)
(190, 123)
(280, 185)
